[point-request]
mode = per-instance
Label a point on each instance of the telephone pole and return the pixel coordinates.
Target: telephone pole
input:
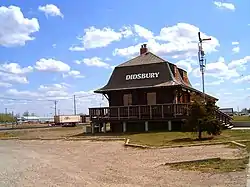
(202, 62)
(6, 111)
(55, 103)
(74, 100)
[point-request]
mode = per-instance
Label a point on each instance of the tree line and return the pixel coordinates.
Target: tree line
(7, 118)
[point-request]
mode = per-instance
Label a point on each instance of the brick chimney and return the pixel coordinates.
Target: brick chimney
(143, 49)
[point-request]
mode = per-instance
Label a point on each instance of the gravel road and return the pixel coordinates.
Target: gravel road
(83, 163)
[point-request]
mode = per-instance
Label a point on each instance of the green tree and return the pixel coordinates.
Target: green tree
(7, 118)
(202, 118)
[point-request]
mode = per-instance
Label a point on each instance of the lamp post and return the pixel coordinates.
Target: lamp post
(202, 61)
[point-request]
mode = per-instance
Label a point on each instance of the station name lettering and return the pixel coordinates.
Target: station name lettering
(142, 76)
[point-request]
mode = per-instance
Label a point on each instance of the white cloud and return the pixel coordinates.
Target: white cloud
(126, 31)
(235, 43)
(53, 87)
(94, 61)
(186, 65)
(15, 29)
(13, 78)
(54, 45)
(5, 84)
(213, 83)
(143, 32)
(222, 5)
(97, 38)
(239, 64)
(236, 49)
(15, 68)
(51, 65)
(74, 74)
(242, 79)
(218, 69)
(15, 92)
(50, 10)
(179, 41)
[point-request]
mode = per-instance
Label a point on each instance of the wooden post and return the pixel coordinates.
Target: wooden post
(139, 110)
(150, 111)
(118, 112)
(104, 127)
(146, 126)
(162, 111)
(128, 112)
(124, 126)
(92, 128)
(169, 125)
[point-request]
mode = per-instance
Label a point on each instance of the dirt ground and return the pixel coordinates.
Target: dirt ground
(84, 163)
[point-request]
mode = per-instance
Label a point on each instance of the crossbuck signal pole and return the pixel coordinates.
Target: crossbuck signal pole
(202, 62)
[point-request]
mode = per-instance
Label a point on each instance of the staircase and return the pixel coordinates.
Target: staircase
(224, 119)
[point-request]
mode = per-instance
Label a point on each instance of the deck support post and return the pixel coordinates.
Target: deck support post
(124, 126)
(146, 126)
(104, 127)
(92, 128)
(169, 125)
(100, 127)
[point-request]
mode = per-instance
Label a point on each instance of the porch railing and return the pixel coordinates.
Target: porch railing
(140, 111)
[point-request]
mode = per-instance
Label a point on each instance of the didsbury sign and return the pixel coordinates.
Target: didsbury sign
(142, 76)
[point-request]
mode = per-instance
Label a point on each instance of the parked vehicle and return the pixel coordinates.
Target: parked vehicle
(67, 120)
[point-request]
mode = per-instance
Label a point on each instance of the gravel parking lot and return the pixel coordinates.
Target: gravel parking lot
(84, 163)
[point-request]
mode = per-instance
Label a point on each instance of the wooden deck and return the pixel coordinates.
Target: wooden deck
(159, 112)
(139, 112)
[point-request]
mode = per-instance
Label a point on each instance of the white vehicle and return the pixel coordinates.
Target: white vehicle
(67, 120)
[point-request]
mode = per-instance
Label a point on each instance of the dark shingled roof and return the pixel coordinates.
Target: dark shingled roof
(146, 63)
(147, 58)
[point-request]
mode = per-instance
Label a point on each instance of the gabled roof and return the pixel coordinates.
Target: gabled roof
(146, 58)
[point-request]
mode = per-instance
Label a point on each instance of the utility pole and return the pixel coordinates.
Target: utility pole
(55, 102)
(202, 62)
(6, 111)
(74, 100)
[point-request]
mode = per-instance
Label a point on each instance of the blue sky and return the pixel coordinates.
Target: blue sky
(55, 49)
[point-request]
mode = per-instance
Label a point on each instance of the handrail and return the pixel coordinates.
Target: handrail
(167, 104)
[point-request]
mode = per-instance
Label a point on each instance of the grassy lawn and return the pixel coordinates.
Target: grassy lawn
(241, 118)
(182, 138)
(223, 165)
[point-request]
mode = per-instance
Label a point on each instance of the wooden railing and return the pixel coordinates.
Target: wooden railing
(140, 112)
(145, 112)
(224, 118)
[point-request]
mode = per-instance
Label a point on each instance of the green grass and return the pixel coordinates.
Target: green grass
(241, 118)
(182, 138)
(221, 165)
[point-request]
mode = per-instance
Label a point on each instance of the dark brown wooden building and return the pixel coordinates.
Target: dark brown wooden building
(146, 93)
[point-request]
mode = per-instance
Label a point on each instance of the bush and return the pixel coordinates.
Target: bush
(202, 119)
